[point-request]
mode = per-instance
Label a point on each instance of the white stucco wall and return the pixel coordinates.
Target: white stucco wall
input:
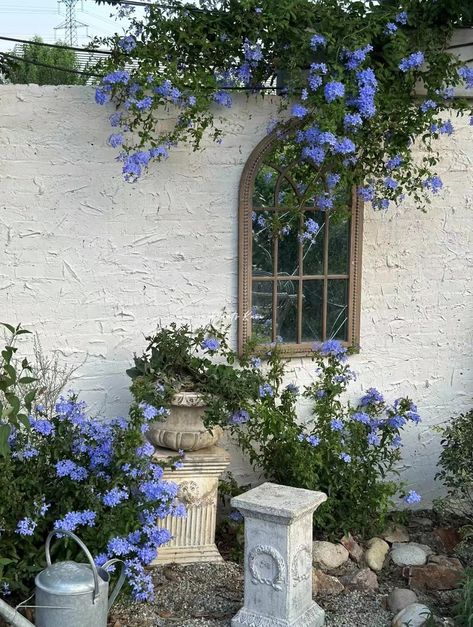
(93, 263)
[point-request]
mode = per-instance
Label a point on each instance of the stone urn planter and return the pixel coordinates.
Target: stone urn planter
(184, 427)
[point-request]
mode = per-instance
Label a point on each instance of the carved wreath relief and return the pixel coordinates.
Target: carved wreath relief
(266, 566)
(301, 567)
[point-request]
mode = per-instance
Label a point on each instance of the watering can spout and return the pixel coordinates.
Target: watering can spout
(12, 616)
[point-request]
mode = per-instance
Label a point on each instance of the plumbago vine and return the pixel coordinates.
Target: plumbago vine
(345, 71)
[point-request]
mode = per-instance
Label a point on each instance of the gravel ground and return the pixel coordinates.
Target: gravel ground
(210, 594)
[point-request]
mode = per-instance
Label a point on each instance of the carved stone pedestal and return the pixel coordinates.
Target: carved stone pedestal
(194, 536)
(278, 557)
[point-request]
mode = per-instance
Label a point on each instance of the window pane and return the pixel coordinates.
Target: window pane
(286, 318)
(313, 249)
(286, 196)
(338, 245)
(312, 307)
(262, 310)
(263, 192)
(303, 173)
(262, 243)
(288, 253)
(337, 309)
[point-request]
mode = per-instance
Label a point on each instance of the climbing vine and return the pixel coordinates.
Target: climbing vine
(346, 73)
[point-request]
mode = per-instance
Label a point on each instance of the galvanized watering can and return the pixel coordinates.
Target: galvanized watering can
(69, 594)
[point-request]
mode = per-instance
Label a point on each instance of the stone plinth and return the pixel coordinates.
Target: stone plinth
(194, 536)
(278, 557)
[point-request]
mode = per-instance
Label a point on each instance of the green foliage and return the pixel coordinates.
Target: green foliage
(17, 391)
(360, 488)
(176, 359)
(464, 609)
(456, 465)
(24, 72)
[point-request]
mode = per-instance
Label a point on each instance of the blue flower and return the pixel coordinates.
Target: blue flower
(235, 516)
(114, 497)
(144, 103)
(211, 344)
(68, 468)
(222, 98)
(265, 390)
(412, 62)
(299, 111)
(447, 128)
(394, 162)
(336, 425)
(25, 527)
(127, 44)
(313, 440)
(255, 362)
(119, 546)
(292, 389)
(367, 193)
(118, 76)
(466, 73)
(356, 57)
(239, 417)
(412, 497)
(434, 184)
(427, 105)
(371, 397)
(374, 439)
(396, 443)
(352, 121)
(390, 28)
(334, 90)
(332, 180)
(331, 348)
(345, 146)
(116, 139)
(390, 183)
(316, 41)
(345, 458)
(314, 153)
(101, 97)
(74, 519)
(360, 416)
(401, 18)
(42, 426)
(397, 421)
(252, 52)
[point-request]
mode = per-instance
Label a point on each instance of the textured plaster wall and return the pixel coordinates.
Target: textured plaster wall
(92, 263)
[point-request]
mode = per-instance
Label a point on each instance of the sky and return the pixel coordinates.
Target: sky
(25, 18)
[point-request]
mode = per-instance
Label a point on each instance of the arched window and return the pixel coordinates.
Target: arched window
(300, 290)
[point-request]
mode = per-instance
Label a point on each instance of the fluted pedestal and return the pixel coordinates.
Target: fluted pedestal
(194, 536)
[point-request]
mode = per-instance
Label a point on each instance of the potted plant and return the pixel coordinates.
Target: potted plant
(190, 383)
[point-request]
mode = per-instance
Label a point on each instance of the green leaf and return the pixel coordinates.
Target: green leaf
(8, 326)
(25, 380)
(5, 431)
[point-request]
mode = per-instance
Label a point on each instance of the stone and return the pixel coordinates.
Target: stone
(184, 429)
(434, 577)
(323, 584)
(408, 554)
(423, 522)
(193, 536)
(364, 580)
(354, 549)
(443, 560)
(327, 555)
(376, 553)
(278, 557)
(414, 615)
(447, 537)
(398, 533)
(399, 598)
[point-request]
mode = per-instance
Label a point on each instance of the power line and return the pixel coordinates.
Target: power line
(62, 46)
(48, 65)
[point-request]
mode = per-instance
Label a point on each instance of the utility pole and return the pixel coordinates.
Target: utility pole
(71, 24)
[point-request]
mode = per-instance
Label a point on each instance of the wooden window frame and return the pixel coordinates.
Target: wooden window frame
(245, 256)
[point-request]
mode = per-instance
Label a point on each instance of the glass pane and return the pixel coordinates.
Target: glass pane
(306, 179)
(338, 245)
(262, 243)
(337, 309)
(262, 310)
(312, 306)
(286, 318)
(286, 196)
(288, 252)
(263, 191)
(313, 248)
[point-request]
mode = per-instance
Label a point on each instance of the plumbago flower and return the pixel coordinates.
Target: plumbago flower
(347, 108)
(348, 450)
(105, 479)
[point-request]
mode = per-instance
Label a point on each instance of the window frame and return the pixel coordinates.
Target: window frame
(245, 256)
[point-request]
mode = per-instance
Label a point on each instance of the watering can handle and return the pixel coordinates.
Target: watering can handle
(83, 547)
(120, 582)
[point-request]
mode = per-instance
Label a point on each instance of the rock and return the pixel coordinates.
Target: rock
(434, 576)
(443, 560)
(376, 553)
(399, 598)
(447, 538)
(423, 522)
(364, 580)
(354, 549)
(398, 533)
(327, 555)
(323, 584)
(414, 615)
(408, 554)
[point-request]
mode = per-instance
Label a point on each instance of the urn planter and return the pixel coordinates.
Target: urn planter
(184, 428)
